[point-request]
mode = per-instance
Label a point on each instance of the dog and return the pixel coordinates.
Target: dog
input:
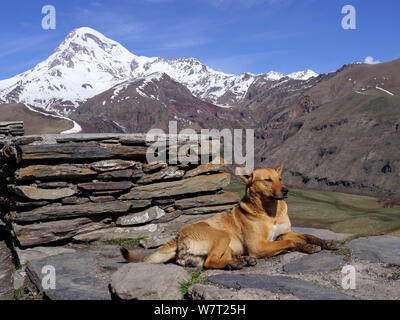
(257, 227)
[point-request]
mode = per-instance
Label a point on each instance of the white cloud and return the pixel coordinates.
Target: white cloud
(371, 60)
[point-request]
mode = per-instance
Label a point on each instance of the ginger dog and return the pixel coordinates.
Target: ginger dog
(257, 227)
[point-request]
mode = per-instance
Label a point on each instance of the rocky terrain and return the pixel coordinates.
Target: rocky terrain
(71, 201)
(97, 271)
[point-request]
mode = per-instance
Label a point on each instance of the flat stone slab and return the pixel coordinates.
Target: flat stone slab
(6, 271)
(278, 284)
(320, 261)
(144, 281)
(322, 233)
(384, 249)
(27, 255)
(75, 277)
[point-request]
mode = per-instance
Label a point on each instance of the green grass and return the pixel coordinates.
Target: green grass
(337, 211)
(18, 293)
(396, 275)
(196, 277)
(128, 243)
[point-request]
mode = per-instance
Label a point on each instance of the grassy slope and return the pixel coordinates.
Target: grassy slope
(34, 122)
(338, 212)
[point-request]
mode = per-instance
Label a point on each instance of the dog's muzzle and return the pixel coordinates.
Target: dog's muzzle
(285, 192)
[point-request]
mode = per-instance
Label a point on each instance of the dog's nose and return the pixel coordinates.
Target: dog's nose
(285, 191)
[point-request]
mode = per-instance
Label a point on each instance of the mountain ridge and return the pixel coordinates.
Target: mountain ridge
(87, 63)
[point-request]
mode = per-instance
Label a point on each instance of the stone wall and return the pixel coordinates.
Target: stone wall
(62, 188)
(14, 128)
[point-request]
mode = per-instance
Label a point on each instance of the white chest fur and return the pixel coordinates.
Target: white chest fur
(277, 230)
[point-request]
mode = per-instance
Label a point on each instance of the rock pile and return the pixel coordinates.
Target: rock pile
(101, 187)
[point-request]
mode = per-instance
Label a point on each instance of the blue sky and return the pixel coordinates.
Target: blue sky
(233, 36)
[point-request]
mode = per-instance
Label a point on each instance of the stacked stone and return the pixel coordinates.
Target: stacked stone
(101, 187)
(11, 128)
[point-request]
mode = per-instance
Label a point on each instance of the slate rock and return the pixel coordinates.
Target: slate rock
(208, 200)
(54, 172)
(112, 165)
(24, 256)
(179, 187)
(73, 211)
(80, 151)
(75, 277)
(320, 261)
(165, 174)
(49, 232)
(144, 281)
(204, 210)
(278, 284)
(322, 233)
(105, 186)
(204, 168)
(35, 193)
(116, 233)
(385, 249)
(6, 271)
(142, 217)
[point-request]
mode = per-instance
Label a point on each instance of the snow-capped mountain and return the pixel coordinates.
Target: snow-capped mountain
(87, 63)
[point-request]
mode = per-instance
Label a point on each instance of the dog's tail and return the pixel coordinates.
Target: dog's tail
(162, 255)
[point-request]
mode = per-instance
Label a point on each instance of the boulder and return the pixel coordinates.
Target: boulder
(142, 217)
(179, 187)
(143, 281)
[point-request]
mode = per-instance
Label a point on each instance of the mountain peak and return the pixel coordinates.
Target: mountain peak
(87, 63)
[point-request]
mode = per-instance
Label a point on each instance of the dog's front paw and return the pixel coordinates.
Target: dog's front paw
(251, 262)
(330, 245)
(236, 265)
(310, 248)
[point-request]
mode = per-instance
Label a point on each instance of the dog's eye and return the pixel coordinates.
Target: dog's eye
(280, 179)
(268, 180)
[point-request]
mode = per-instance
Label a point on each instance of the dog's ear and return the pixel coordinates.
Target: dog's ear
(245, 174)
(279, 168)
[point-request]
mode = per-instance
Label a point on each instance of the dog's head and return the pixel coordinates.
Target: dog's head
(266, 182)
